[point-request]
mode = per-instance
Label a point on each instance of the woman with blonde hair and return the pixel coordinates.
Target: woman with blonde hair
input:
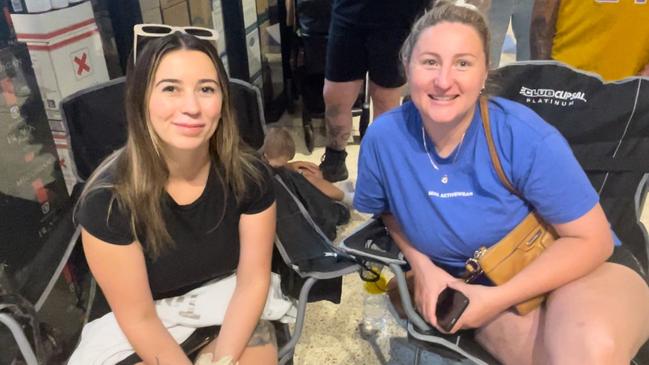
(425, 168)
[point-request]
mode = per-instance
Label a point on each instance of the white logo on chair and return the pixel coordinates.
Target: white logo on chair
(550, 96)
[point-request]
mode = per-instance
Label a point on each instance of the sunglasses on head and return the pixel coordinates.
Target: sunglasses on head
(161, 30)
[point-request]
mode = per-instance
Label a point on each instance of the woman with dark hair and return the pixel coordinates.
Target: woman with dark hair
(426, 169)
(181, 204)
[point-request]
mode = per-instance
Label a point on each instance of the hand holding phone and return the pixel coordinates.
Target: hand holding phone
(450, 306)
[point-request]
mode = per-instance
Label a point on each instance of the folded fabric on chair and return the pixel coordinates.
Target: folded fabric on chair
(103, 342)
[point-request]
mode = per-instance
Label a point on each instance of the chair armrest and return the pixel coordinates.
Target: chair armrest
(372, 241)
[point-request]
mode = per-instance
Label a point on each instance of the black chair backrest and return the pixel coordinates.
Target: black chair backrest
(607, 126)
(248, 109)
(96, 122)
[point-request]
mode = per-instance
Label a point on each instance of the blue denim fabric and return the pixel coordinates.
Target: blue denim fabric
(500, 13)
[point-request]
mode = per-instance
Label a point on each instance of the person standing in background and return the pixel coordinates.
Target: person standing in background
(365, 36)
(608, 37)
(501, 12)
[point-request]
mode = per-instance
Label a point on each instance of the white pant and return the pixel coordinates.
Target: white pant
(104, 343)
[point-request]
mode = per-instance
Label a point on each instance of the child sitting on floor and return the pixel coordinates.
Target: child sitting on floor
(279, 149)
(322, 199)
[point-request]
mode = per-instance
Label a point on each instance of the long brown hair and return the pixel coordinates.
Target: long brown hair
(139, 168)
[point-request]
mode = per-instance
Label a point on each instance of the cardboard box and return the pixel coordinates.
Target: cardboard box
(249, 8)
(254, 54)
(217, 20)
(149, 4)
(262, 9)
(66, 52)
(200, 12)
(169, 3)
(152, 16)
(176, 15)
(264, 37)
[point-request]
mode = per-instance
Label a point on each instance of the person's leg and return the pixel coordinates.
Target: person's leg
(521, 21)
(499, 15)
(261, 348)
(384, 99)
(386, 72)
(602, 318)
(514, 339)
(344, 71)
(339, 99)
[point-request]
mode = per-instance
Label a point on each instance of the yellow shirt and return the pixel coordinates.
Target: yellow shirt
(608, 37)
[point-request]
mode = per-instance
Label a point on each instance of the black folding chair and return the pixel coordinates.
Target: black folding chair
(607, 126)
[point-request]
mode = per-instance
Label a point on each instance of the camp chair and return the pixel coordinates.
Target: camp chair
(316, 265)
(305, 258)
(607, 126)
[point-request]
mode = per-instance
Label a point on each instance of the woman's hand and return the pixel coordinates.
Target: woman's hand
(429, 282)
(485, 303)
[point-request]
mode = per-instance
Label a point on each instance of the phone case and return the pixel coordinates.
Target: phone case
(450, 306)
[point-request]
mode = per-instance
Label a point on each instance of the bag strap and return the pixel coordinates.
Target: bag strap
(495, 161)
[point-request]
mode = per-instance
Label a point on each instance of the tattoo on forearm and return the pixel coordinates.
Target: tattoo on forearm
(264, 334)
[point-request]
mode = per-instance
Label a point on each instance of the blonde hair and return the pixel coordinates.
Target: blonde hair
(460, 11)
(278, 143)
(139, 168)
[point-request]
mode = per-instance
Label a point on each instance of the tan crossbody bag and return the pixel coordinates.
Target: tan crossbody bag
(519, 247)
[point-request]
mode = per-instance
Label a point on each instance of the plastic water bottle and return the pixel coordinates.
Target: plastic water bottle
(374, 316)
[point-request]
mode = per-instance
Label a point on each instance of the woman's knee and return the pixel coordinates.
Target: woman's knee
(262, 347)
(340, 96)
(592, 344)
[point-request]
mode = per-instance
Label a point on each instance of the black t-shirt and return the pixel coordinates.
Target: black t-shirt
(376, 14)
(204, 247)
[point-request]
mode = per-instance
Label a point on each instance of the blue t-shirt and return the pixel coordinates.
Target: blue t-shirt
(449, 213)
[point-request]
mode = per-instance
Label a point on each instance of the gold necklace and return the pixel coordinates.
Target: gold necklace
(444, 178)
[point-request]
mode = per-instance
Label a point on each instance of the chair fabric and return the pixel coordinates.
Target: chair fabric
(249, 111)
(96, 122)
(607, 127)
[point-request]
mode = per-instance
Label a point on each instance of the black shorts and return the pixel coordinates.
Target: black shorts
(351, 53)
(624, 257)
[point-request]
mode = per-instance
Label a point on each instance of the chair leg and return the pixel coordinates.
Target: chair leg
(23, 343)
(286, 352)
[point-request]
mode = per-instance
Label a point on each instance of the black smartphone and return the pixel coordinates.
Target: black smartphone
(450, 306)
